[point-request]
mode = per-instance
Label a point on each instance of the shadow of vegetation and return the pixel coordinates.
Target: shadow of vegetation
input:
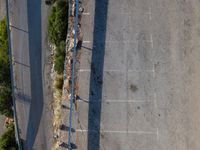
(66, 128)
(96, 75)
(22, 97)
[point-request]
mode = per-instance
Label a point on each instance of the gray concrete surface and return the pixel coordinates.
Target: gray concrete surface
(2, 9)
(28, 21)
(139, 76)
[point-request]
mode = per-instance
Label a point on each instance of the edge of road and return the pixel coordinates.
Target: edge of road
(17, 136)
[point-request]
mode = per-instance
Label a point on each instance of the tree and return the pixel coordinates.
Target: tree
(4, 61)
(3, 41)
(60, 57)
(7, 140)
(5, 101)
(59, 64)
(57, 24)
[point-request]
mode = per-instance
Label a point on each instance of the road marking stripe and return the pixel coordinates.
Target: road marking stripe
(86, 41)
(157, 133)
(115, 70)
(151, 40)
(117, 101)
(122, 41)
(86, 13)
(155, 100)
(122, 132)
(149, 13)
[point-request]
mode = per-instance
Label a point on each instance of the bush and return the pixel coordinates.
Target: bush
(7, 140)
(59, 64)
(5, 86)
(5, 101)
(60, 57)
(4, 61)
(3, 41)
(57, 22)
(60, 49)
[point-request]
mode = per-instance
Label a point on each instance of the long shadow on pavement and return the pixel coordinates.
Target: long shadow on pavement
(96, 75)
(35, 52)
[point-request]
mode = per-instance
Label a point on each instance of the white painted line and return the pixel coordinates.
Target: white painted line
(121, 132)
(115, 70)
(150, 13)
(86, 41)
(122, 13)
(118, 101)
(122, 41)
(128, 101)
(151, 40)
(86, 13)
(109, 41)
(84, 70)
(140, 70)
(157, 133)
(155, 100)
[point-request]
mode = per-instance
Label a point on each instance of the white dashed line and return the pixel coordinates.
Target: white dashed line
(155, 100)
(109, 41)
(150, 14)
(84, 70)
(154, 72)
(119, 101)
(86, 41)
(131, 70)
(121, 132)
(151, 40)
(115, 70)
(157, 133)
(86, 13)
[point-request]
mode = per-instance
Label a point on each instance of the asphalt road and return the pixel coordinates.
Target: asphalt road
(139, 76)
(28, 37)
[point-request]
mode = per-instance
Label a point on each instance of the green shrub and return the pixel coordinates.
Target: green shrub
(57, 22)
(5, 86)
(60, 49)
(3, 41)
(59, 57)
(59, 64)
(7, 140)
(5, 101)
(4, 61)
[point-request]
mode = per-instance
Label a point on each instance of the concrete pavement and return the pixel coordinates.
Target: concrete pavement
(28, 38)
(139, 77)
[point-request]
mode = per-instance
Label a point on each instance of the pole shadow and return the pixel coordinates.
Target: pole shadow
(96, 75)
(35, 53)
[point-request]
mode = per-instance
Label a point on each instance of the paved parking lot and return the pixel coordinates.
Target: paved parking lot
(138, 77)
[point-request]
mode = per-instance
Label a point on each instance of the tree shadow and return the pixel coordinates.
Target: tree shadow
(66, 128)
(96, 75)
(35, 53)
(20, 96)
(73, 146)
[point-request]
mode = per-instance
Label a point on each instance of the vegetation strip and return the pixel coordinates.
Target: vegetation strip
(7, 140)
(57, 32)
